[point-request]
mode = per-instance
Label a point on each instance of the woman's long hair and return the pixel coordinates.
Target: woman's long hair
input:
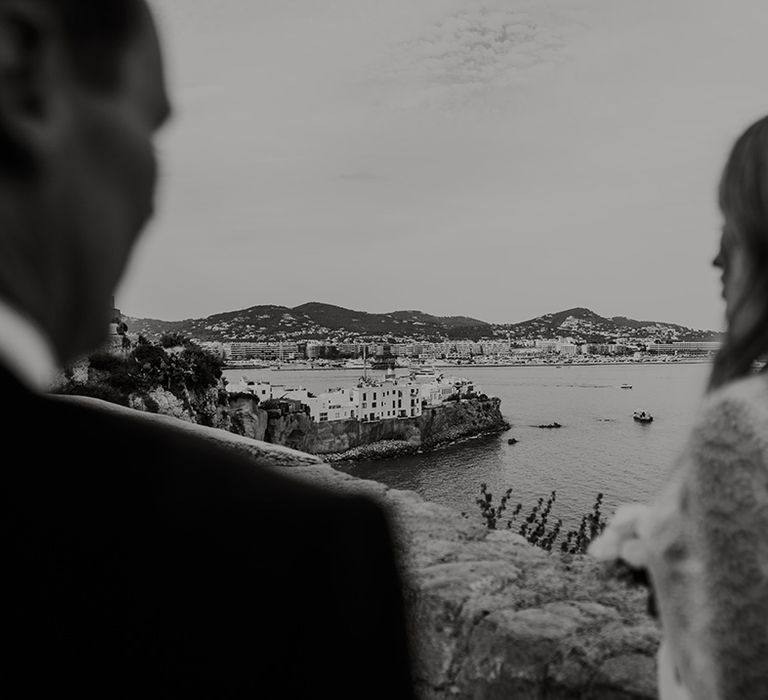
(743, 196)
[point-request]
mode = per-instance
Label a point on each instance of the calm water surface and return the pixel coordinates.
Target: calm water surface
(600, 448)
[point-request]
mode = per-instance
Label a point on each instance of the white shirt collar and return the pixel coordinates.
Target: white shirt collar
(24, 350)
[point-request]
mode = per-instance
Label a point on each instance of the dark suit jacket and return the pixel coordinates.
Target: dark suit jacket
(140, 562)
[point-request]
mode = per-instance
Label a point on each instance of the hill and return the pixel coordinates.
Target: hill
(586, 326)
(315, 321)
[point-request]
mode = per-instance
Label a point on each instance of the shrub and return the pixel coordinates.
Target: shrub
(149, 366)
(205, 367)
(174, 339)
(536, 526)
(147, 354)
(105, 362)
(128, 378)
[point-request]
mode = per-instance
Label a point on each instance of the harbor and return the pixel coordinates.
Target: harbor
(598, 448)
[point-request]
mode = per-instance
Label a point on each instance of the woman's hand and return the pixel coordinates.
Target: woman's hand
(625, 537)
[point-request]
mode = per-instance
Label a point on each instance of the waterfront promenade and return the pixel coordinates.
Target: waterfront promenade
(304, 366)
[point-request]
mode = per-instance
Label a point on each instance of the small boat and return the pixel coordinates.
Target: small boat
(550, 425)
(512, 441)
(425, 374)
(626, 386)
(642, 416)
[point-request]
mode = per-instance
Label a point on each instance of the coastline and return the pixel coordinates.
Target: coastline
(560, 365)
(388, 449)
(352, 439)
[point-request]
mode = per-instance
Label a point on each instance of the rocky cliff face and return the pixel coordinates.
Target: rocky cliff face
(237, 413)
(334, 438)
(294, 430)
(242, 416)
(454, 420)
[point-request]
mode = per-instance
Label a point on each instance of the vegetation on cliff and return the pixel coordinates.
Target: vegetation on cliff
(545, 535)
(536, 527)
(174, 368)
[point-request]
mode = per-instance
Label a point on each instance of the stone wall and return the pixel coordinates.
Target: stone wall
(491, 616)
(494, 618)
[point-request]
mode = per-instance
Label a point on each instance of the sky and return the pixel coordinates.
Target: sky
(499, 159)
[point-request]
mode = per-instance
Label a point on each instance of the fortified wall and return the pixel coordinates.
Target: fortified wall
(492, 617)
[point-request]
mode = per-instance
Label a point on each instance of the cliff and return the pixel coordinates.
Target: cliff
(353, 439)
(244, 416)
(179, 379)
(491, 617)
(456, 420)
(181, 382)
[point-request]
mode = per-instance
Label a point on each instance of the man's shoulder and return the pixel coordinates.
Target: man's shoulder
(135, 449)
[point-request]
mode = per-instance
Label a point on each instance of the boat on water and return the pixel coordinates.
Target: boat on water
(422, 372)
(626, 386)
(425, 374)
(642, 416)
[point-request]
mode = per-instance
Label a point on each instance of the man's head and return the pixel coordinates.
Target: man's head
(82, 94)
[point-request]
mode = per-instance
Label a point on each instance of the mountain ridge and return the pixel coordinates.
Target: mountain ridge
(319, 321)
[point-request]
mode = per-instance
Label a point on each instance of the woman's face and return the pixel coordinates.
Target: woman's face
(732, 258)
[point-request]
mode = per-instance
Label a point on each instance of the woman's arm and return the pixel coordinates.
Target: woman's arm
(729, 503)
(709, 558)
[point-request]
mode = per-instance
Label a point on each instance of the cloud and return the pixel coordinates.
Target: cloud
(472, 51)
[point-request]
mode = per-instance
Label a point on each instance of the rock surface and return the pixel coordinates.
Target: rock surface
(456, 420)
(244, 417)
(491, 616)
(494, 617)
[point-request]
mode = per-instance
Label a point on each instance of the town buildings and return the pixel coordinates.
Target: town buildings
(369, 400)
(457, 352)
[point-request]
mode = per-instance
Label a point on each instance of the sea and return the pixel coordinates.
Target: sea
(600, 448)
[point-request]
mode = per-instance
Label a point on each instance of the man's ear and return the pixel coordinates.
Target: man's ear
(28, 67)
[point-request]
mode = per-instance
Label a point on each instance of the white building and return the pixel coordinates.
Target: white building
(701, 346)
(240, 351)
(388, 399)
(443, 388)
(368, 401)
(261, 389)
(266, 391)
(568, 349)
(331, 405)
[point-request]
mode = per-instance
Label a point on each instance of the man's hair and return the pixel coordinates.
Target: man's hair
(97, 33)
